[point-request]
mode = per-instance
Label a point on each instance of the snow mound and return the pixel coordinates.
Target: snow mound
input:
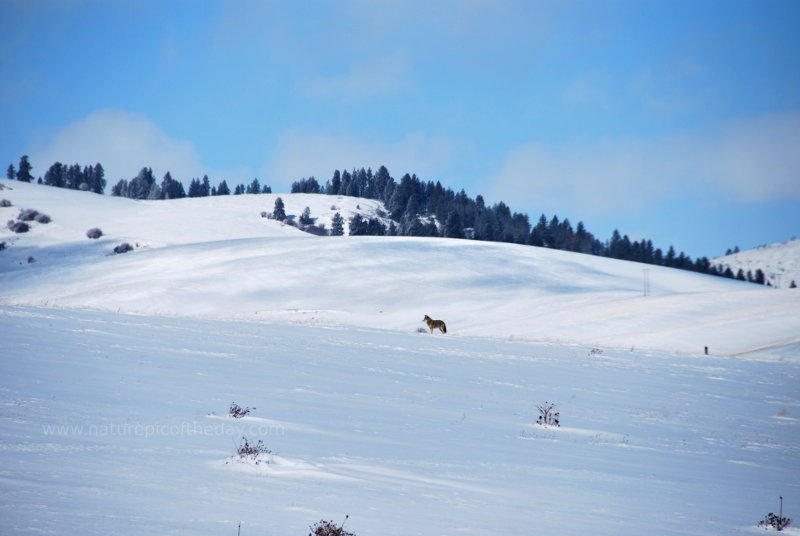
(217, 257)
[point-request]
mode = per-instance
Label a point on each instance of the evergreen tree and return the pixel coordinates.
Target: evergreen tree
(141, 187)
(96, 178)
(170, 188)
(205, 187)
(358, 226)
(11, 173)
(305, 217)
(254, 187)
(223, 188)
(195, 188)
(120, 189)
(669, 260)
(55, 176)
(337, 225)
(453, 227)
(74, 177)
(279, 212)
(335, 184)
(759, 278)
(24, 169)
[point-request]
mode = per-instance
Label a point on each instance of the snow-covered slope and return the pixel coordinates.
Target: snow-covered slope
(117, 371)
(779, 262)
(218, 258)
(115, 424)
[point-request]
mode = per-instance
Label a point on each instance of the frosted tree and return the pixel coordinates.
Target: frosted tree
(337, 225)
(279, 212)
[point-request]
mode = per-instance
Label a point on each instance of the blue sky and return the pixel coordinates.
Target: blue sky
(668, 120)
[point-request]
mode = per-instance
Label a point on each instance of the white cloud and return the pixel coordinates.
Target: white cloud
(751, 160)
(123, 143)
(387, 75)
(303, 154)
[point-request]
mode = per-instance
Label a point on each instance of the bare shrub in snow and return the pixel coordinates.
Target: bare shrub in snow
(329, 528)
(42, 218)
(548, 416)
(5, 203)
(27, 214)
(237, 412)
(123, 248)
(94, 232)
(777, 522)
(19, 226)
(318, 230)
(257, 452)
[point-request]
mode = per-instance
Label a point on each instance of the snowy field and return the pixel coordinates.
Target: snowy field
(118, 371)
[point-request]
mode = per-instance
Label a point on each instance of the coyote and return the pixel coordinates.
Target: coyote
(433, 324)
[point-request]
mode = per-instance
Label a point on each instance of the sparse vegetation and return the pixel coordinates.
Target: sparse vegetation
(19, 226)
(548, 416)
(237, 412)
(42, 218)
(122, 248)
(5, 203)
(257, 452)
(777, 522)
(329, 528)
(773, 521)
(318, 230)
(94, 232)
(27, 214)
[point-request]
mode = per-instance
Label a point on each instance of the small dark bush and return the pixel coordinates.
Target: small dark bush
(237, 412)
(257, 452)
(5, 203)
(2, 245)
(19, 226)
(94, 232)
(264, 214)
(123, 248)
(776, 522)
(548, 416)
(27, 214)
(42, 218)
(329, 528)
(317, 230)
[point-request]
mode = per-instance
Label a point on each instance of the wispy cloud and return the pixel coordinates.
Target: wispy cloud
(751, 160)
(123, 143)
(301, 154)
(386, 75)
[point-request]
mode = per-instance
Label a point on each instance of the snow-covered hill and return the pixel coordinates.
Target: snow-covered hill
(780, 263)
(117, 371)
(217, 257)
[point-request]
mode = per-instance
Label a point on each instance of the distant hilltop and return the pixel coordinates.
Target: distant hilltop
(779, 263)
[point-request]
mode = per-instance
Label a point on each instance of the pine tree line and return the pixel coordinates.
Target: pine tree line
(425, 208)
(145, 186)
(74, 177)
(420, 208)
